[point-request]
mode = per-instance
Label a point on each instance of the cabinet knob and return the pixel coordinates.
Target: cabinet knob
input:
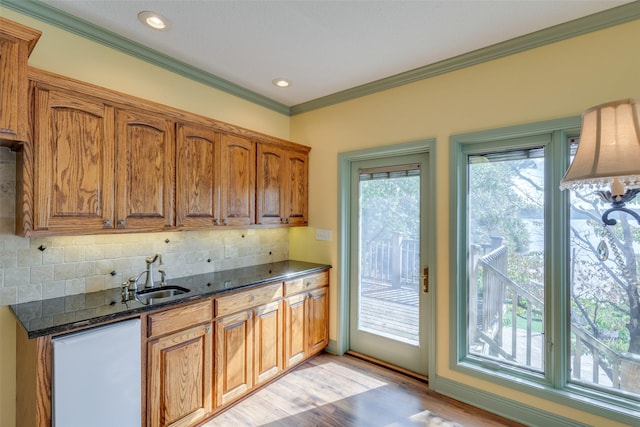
(224, 221)
(122, 223)
(216, 221)
(106, 222)
(207, 329)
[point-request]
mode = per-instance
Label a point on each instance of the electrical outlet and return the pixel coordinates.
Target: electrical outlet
(323, 234)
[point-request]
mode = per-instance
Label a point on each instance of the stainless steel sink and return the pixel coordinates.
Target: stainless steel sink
(146, 296)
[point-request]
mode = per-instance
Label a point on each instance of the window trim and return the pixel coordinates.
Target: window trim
(554, 384)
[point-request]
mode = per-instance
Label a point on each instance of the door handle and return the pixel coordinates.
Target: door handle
(425, 280)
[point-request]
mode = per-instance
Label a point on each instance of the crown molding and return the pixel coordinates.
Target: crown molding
(67, 22)
(598, 21)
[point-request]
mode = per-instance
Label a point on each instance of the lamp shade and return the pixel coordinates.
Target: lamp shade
(609, 147)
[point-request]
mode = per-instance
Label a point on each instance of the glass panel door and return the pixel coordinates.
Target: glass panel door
(387, 268)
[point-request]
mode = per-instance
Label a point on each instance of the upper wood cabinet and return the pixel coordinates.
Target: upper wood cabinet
(270, 184)
(80, 186)
(237, 198)
(145, 170)
(102, 162)
(74, 155)
(197, 177)
(16, 43)
(297, 184)
(281, 185)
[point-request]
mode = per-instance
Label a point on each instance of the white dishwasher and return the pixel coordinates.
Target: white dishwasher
(97, 378)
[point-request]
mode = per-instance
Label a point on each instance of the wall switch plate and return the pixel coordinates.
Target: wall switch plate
(323, 234)
(230, 251)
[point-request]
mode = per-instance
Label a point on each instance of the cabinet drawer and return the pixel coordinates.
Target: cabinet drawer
(312, 281)
(179, 318)
(247, 299)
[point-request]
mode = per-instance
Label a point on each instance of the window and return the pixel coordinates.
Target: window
(505, 307)
(547, 302)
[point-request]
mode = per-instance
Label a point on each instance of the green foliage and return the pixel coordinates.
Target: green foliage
(390, 206)
(495, 203)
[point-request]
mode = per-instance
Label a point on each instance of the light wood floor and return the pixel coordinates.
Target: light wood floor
(343, 392)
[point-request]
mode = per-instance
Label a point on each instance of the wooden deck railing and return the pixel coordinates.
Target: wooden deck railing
(501, 295)
(492, 296)
(395, 261)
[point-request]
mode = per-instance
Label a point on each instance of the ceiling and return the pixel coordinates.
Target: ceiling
(324, 47)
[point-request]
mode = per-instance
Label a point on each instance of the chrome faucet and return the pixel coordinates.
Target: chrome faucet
(148, 281)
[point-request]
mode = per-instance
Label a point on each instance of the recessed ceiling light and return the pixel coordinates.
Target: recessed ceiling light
(153, 20)
(281, 82)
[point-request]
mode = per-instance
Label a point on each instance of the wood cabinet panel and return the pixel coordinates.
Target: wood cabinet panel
(237, 170)
(74, 155)
(197, 177)
(248, 299)
(297, 179)
(179, 381)
(233, 356)
(281, 185)
(268, 344)
(168, 321)
(318, 316)
(295, 329)
(16, 43)
(270, 184)
(145, 171)
(306, 283)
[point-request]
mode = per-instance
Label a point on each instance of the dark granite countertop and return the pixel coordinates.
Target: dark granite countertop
(65, 314)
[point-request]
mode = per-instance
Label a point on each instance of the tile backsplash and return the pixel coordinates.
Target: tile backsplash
(49, 267)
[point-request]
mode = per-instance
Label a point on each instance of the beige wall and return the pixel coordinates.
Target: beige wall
(555, 81)
(77, 264)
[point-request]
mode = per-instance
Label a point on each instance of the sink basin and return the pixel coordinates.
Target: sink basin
(146, 296)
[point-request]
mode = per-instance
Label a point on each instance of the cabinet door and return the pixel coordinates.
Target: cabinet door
(233, 356)
(144, 171)
(197, 177)
(73, 159)
(295, 329)
(237, 170)
(297, 197)
(318, 320)
(179, 379)
(268, 342)
(16, 42)
(270, 185)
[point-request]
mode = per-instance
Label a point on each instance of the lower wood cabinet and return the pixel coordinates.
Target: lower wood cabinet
(248, 345)
(317, 318)
(268, 342)
(196, 362)
(306, 317)
(234, 356)
(179, 381)
(179, 366)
